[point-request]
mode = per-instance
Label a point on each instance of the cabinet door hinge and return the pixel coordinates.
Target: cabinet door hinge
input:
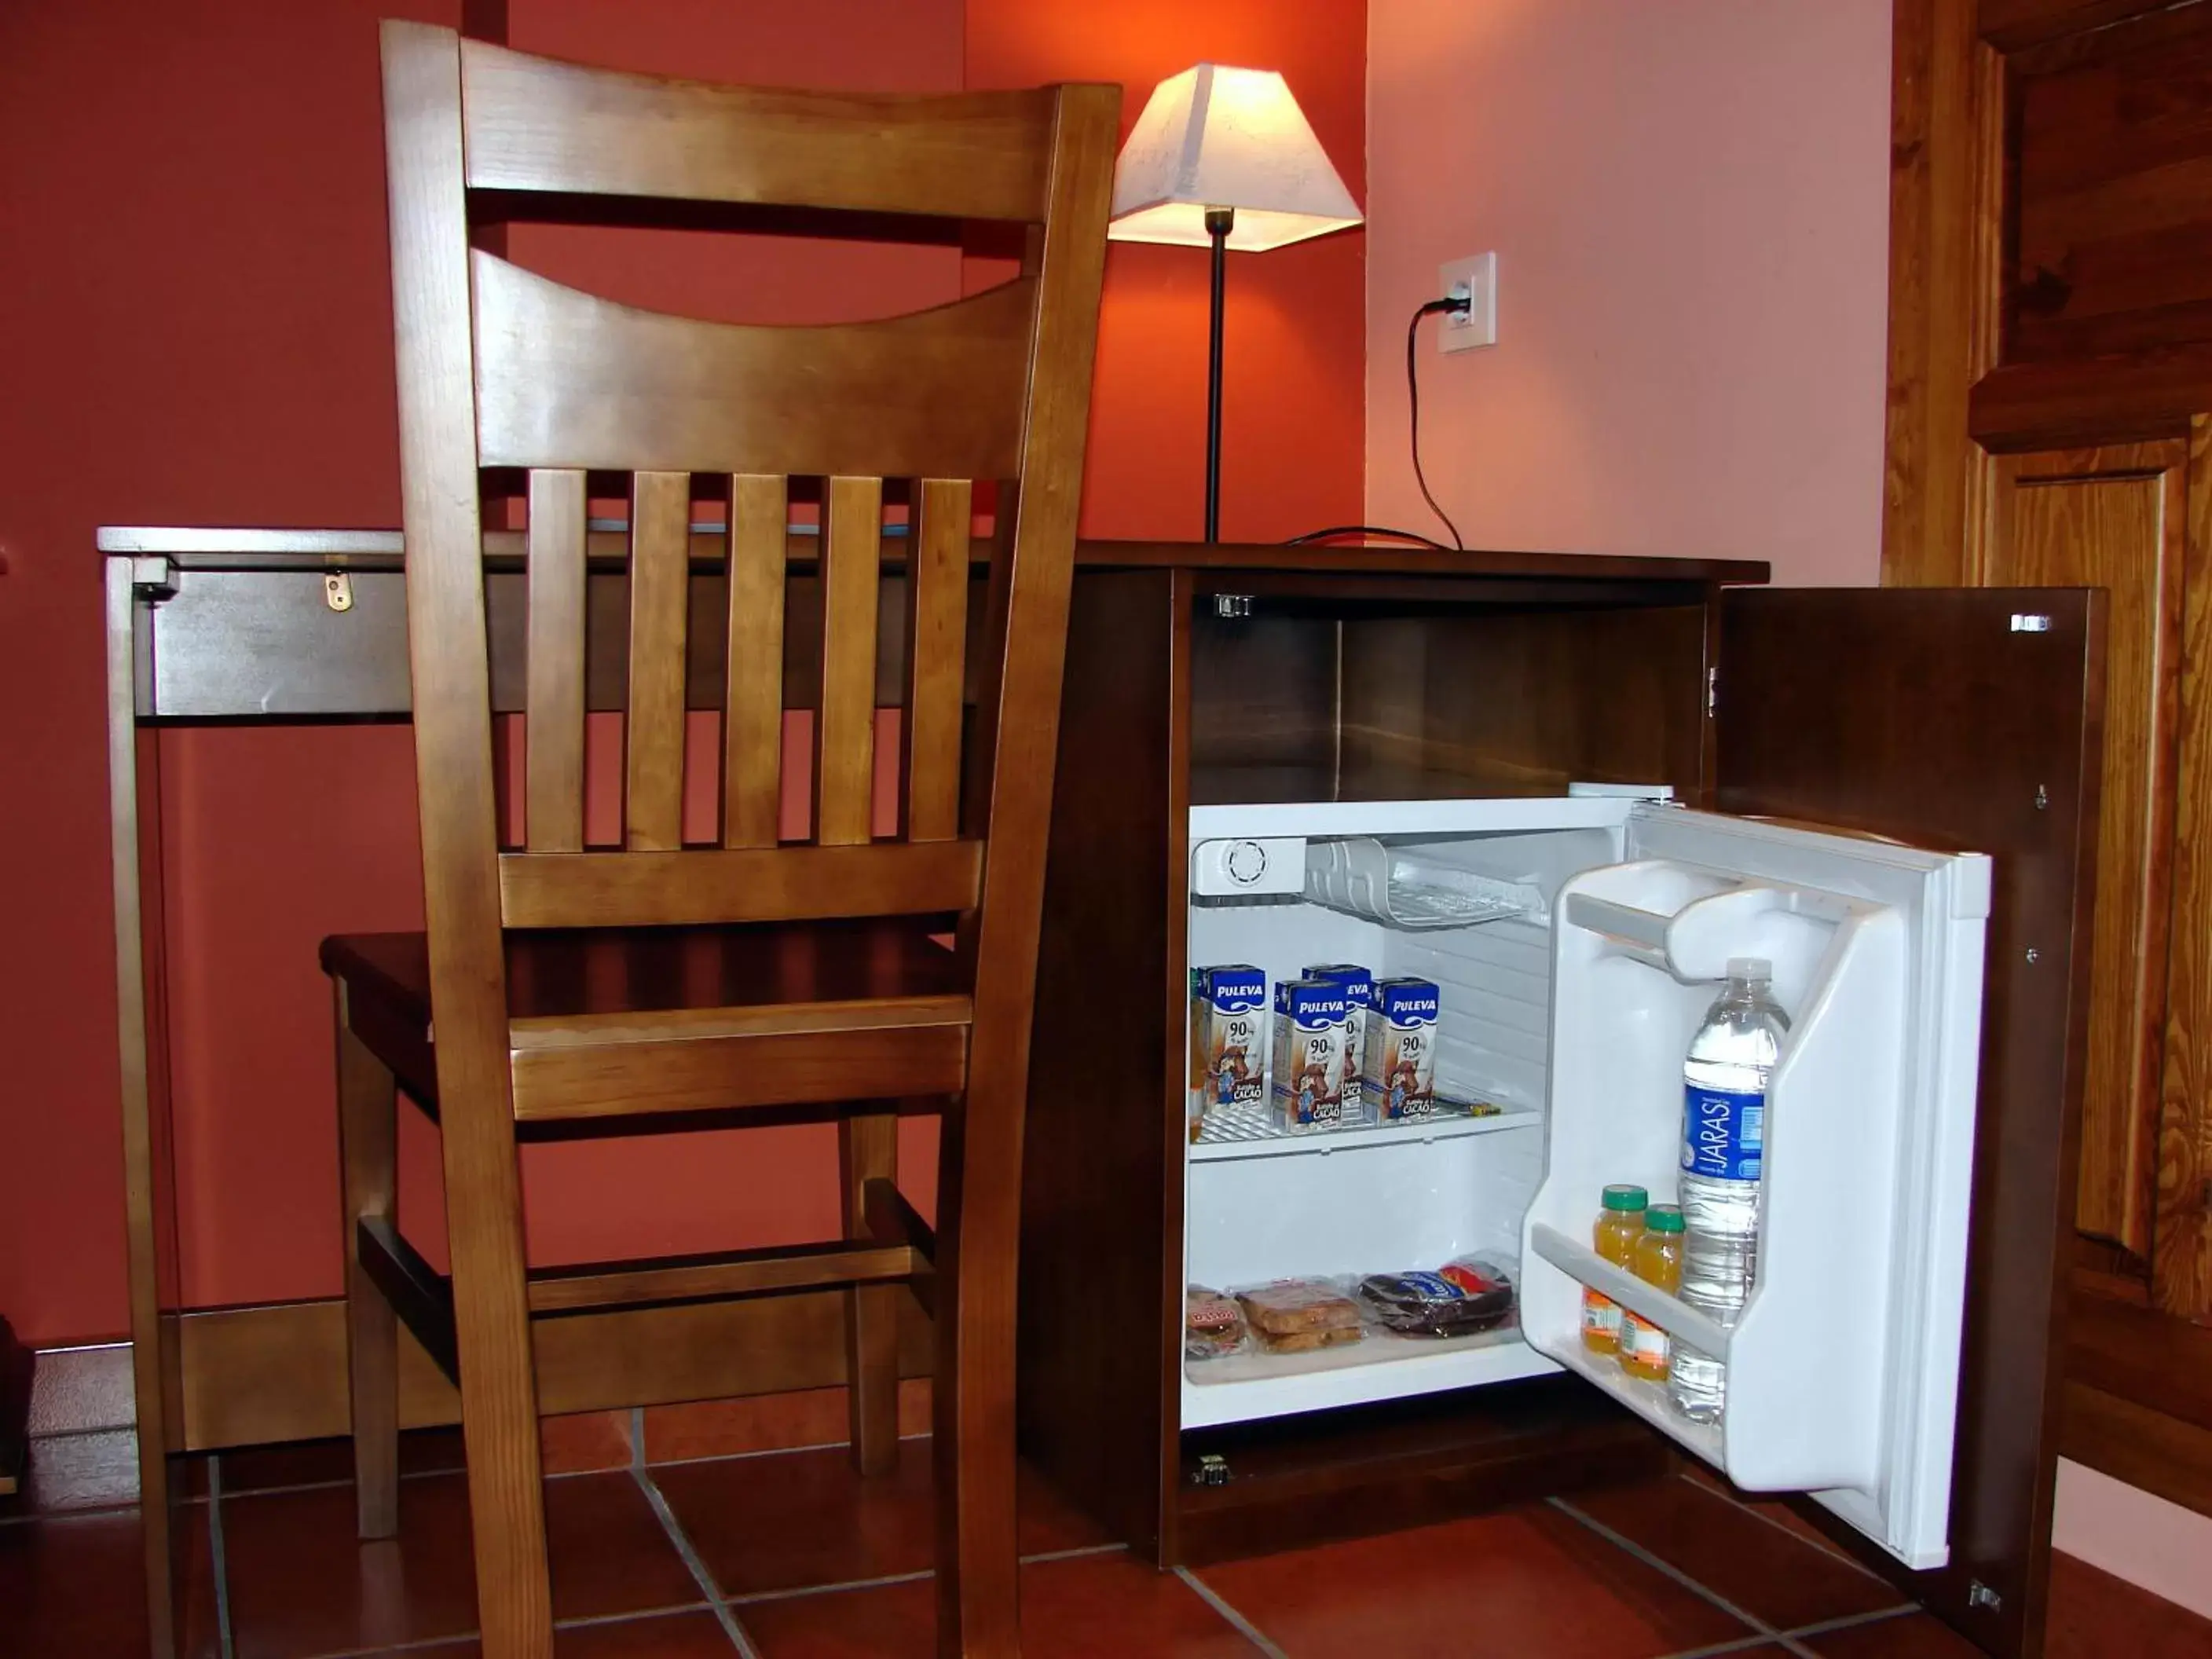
(1712, 691)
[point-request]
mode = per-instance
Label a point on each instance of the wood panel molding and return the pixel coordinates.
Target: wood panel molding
(257, 1375)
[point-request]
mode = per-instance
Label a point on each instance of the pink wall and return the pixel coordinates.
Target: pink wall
(1690, 207)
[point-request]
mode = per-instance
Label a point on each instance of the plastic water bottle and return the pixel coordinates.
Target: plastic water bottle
(1723, 1141)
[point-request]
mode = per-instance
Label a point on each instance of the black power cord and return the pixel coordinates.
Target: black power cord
(1453, 303)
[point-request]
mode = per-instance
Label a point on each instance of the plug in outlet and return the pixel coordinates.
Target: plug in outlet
(1476, 278)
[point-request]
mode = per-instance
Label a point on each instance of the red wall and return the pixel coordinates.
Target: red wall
(195, 315)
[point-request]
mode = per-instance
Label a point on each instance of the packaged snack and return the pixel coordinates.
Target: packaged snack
(1359, 998)
(1228, 1038)
(1291, 1316)
(1308, 1079)
(1468, 1295)
(1399, 1070)
(1212, 1325)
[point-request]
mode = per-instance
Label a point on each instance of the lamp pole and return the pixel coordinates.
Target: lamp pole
(1219, 221)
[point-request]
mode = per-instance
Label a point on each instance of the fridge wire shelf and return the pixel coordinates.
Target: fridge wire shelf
(1247, 1130)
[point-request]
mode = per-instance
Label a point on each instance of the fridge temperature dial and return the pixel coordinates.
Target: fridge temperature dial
(1274, 865)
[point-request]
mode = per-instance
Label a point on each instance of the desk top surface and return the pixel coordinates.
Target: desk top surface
(323, 550)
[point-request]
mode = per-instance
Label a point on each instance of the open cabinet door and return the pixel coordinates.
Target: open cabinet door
(1961, 720)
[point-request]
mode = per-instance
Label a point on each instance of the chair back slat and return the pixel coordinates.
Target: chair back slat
(553, 730)
(533, 124)
(659, 591)
(752, 709)
(937, 635)
(566, 379)
(845, 729)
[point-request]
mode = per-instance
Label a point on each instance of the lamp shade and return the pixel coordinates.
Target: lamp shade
(1215, 136)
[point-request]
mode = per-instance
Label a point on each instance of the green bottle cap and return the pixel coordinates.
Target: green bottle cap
(1625, 1198)
(1663, 1219)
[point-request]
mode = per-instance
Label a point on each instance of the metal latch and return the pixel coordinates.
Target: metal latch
(1979, 1594)
(1233, 605)
(153, 576)
(1713, 691)
(1213, 1470)
(338, 590)
(2030, 622)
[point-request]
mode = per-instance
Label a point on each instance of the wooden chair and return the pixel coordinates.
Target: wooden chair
(753, 979)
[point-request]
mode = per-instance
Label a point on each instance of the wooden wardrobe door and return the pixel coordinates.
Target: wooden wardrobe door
(2115, 518)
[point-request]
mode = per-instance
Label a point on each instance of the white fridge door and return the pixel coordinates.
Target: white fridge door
(1843, 1369)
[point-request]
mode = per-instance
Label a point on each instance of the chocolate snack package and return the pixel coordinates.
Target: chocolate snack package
(1467, 1295)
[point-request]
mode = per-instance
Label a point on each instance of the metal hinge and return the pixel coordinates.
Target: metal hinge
(338, 590)
(1979, 1594)
(153, 576)
(1233, 605)
(1712, 691)
(1213, 1470)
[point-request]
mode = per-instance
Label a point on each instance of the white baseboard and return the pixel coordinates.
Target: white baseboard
(2135, 1536)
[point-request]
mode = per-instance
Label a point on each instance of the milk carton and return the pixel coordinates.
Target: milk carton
(1400, 1071)
(1359, 998)
(1310, 1040)
(1228, 1039)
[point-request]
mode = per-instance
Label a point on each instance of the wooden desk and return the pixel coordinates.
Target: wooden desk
(1588, 667)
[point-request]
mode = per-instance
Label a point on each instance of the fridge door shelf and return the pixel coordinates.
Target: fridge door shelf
(1670, 1314)
(1248, 1130)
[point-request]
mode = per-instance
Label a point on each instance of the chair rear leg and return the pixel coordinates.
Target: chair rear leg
(368, 1150)
(979, 1216)
(867, 1150)
(498, 1383)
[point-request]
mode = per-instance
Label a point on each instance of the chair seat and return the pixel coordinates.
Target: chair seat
(634, 1023)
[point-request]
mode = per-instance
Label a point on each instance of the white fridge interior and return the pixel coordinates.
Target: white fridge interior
(1577, 942)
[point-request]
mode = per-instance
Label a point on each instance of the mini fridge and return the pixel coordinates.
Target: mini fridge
(1577, 942)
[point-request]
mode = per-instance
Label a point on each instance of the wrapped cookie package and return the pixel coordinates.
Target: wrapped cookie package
(1212, 1324)
(1296, 1315)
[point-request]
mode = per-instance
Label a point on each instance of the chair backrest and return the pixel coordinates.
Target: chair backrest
(499, 368)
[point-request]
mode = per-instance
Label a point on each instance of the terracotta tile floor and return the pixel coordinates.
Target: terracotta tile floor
(786, 1555)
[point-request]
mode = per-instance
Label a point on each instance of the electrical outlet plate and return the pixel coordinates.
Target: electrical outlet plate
(1477, 278)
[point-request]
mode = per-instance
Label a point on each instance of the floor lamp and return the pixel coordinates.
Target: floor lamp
(1223, 158)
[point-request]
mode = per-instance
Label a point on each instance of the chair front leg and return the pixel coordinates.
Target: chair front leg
(367, 1153)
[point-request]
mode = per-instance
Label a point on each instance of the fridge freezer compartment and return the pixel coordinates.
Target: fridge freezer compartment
(1362, 876)
(1817, 1366)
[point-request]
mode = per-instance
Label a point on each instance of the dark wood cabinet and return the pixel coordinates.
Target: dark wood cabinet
(1953, 720)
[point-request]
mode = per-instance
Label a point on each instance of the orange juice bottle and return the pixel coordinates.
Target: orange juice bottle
(1619, 1224)
(1643, 1346)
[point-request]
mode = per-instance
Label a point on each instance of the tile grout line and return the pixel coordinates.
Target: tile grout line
(1850, 1621)
(581, 1622)
(218, 1559)
(1767, 1519)
(697, 1568)
(1633, 1547)
(792, 1593)
(1734, 1644)
(1244, 1627)
(1075, 1554)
